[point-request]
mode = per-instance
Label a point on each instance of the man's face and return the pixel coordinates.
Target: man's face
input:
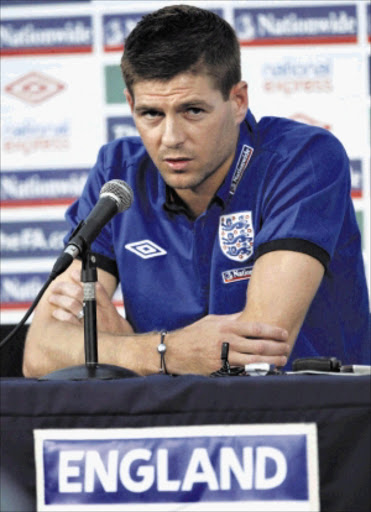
(189, 130)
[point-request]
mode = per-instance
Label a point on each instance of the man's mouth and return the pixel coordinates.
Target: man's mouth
(178, 164)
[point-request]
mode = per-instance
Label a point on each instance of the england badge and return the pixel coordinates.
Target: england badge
(236, 235)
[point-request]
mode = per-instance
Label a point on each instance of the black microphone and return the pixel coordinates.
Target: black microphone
(115, 197)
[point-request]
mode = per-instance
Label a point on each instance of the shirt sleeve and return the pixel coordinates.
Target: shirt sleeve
(102, 246)
(305, 198)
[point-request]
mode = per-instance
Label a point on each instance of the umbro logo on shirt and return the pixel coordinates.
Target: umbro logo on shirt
(145, 249)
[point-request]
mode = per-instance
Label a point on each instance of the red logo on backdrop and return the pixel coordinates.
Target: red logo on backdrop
(34, 87)
(304, 118)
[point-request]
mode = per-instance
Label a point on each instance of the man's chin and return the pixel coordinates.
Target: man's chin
(180, 181)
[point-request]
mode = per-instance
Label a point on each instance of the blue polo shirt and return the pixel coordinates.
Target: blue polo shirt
(288, 188)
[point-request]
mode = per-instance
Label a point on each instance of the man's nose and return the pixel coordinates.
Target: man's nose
(173, 133)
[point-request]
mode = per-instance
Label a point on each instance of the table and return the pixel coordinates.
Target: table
(339, 405)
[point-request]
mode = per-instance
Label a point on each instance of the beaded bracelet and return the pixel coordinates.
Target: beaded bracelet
(162, 349)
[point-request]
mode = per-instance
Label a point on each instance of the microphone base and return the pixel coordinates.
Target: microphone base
(85, 372)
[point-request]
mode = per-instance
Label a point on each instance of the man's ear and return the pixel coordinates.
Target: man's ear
(129, 99)
(240, 101)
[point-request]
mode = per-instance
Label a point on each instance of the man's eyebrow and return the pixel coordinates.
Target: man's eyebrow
(195, 103)
(144, 108)
(187, 104)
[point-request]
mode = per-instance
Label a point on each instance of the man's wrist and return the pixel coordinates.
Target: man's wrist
(161, 349)
(139, 352)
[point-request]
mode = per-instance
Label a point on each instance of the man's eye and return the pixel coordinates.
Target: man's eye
(195, 111)
(150, 114)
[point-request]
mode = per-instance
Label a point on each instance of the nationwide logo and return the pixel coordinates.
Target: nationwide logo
(19, 290)
(46, 35)
(243, 162)
(297, 25)
(47, 187)
(116, 28)
(35, 87)
(145, 249)
(236, 274)
(356, 178)
(219, 467)
(299, 75)
(118, 127)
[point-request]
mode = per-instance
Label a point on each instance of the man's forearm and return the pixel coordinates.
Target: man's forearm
(59, 345)
(281, 289)
(195, 348)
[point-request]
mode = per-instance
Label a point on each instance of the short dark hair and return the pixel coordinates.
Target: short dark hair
(178, 39)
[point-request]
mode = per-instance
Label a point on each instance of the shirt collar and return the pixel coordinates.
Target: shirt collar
(173, 203)
(238, 167)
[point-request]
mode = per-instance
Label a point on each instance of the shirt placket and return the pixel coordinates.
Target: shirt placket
(205, 231)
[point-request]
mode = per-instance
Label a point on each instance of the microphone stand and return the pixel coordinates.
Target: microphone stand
(89, 278)
(91, 369)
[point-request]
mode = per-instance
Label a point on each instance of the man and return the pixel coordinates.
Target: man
(250, 229)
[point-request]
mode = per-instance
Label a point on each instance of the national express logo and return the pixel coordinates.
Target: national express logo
(298, 74)
(297, 25)
(31, 135)
(34, 87)
(32, 36)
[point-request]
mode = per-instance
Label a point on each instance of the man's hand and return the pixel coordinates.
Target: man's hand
(197, 347)
(68, 298)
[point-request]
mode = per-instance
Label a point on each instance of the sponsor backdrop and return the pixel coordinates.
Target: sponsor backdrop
(61, 99)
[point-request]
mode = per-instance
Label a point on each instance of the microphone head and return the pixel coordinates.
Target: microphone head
(120, 192)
